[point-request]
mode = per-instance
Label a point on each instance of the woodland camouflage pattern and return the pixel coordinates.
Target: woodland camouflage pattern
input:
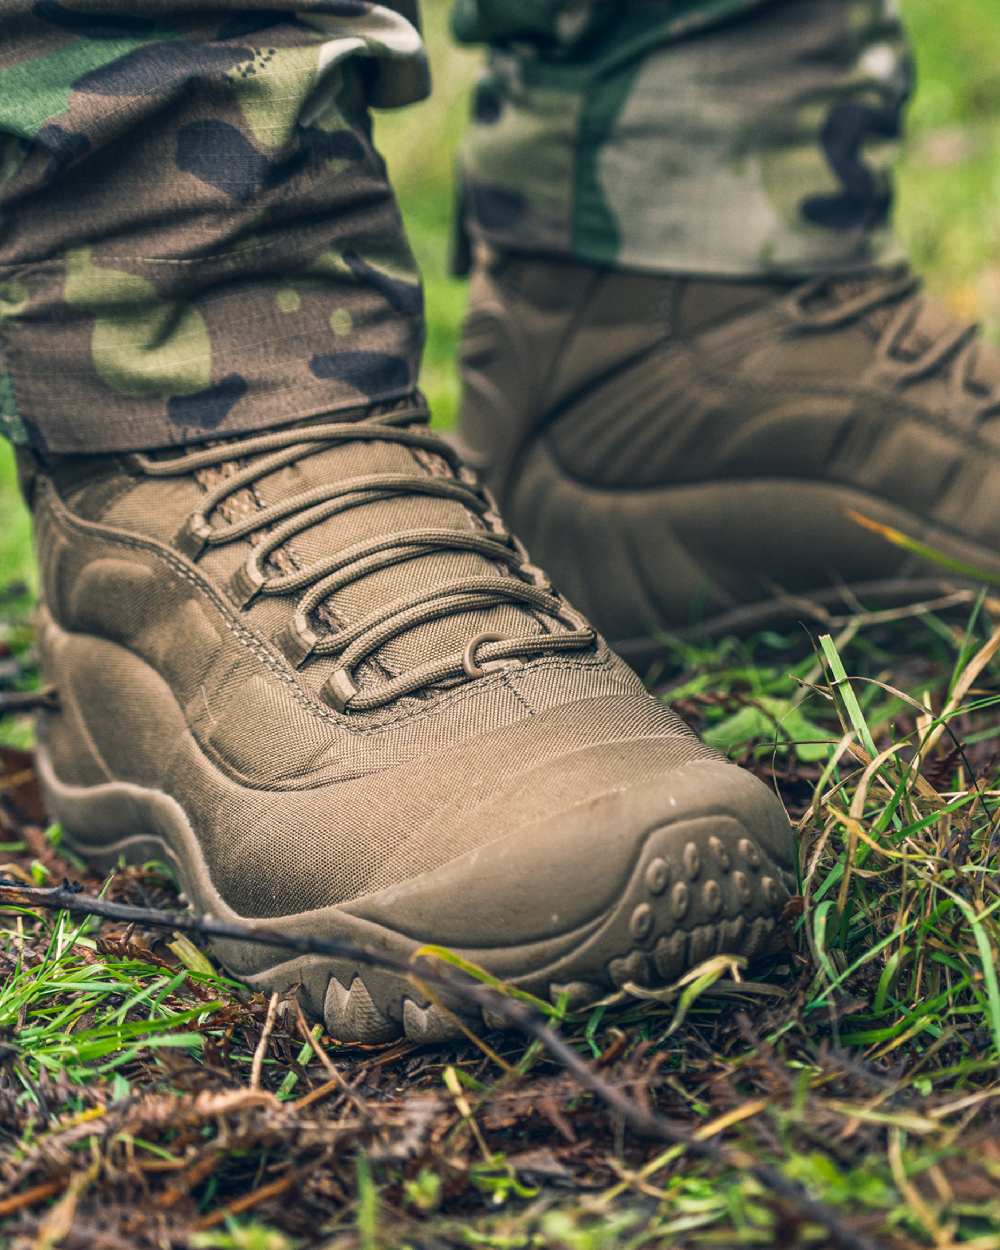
(196, 233)
(197, 236)
(763, 145)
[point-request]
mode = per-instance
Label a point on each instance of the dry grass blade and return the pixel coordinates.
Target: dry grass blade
(971, 674)
(260, 1053)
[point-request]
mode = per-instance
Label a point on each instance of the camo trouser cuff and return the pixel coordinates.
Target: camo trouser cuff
(728, 137)
(197, 237)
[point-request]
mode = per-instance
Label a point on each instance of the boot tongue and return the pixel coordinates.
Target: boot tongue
(396, 515)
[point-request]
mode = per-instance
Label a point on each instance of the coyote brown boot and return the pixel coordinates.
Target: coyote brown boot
(312, 671)
(692, 453)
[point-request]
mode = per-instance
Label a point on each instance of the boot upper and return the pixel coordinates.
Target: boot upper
(722, 444)
(187, 673)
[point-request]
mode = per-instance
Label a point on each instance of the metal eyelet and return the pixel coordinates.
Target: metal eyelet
(469, 665)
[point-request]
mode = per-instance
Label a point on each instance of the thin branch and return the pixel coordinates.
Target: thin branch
(257, 1069)
(333, 1071)
(253, 1199)
(12, 701)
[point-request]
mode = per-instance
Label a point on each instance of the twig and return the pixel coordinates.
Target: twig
(28, 1198)
(28, 701)
(334, 1073)
(318, 1094)
(265, 1037)
(253, 1199)
(648, 1124)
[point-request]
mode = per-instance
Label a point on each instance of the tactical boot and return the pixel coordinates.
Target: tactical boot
(313, 672)
(685, 453)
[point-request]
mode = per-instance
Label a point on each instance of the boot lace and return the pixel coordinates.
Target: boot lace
(915, 340)
(521, 582)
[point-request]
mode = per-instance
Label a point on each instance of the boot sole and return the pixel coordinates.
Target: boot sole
(698, 887)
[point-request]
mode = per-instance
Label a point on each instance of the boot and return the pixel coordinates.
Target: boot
(694, 454)
(313, 672)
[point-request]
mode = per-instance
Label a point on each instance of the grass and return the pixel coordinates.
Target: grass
(148, 1101)
(864, 1066)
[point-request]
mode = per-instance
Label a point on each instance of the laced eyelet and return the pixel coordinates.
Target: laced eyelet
(339, 689)
(296, 643)
(194, 536)
(470, 667)
(246, 584)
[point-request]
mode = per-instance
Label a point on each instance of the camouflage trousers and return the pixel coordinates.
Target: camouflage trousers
(198, 238)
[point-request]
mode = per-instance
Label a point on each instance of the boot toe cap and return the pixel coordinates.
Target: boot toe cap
(632, 884)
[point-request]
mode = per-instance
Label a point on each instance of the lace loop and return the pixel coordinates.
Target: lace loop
(470, 662)
(342, 692)
(357, 561)
(468, 594)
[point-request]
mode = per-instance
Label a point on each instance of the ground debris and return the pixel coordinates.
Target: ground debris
(146, 1102)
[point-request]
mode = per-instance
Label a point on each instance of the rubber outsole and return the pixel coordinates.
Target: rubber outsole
(698, 887)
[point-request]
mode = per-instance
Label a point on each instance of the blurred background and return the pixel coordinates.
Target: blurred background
(948, 213)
